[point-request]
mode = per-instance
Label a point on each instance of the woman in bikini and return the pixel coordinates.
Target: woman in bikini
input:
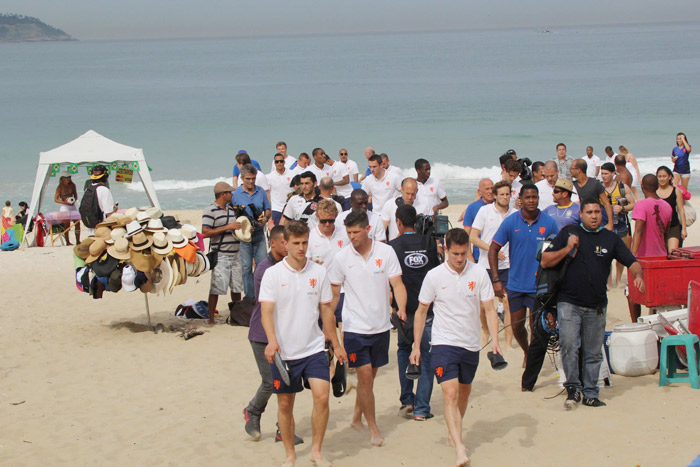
(676, 231)
(67, 195)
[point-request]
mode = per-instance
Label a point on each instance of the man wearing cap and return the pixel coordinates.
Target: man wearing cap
(98, 181)
(293, 294)
(457, 289)
(218, 224)
(257, 208)
(302, 207)
(564, 211)
(366, 269)
(279, 180)
(382, 185)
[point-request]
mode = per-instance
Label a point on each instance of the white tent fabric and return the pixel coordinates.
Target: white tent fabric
(90, 148)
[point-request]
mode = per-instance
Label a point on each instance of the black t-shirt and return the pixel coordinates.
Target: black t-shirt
(585, 282)
(592, 190)
(417, 255)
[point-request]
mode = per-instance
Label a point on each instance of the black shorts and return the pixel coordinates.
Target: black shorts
(450, 362)
(364, 349)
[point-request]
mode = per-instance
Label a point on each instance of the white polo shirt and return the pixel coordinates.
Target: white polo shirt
(326, 171)
(389, 215)
(431, 193)
(396, 170)
(591, 164)
(366, 308)
(326, 248)
(488, 220)
(377, 231)
(382, 190)
(298, 170)
(352, 168)
(279, 188)
(340, 170)
(297, 296)
(456, 300)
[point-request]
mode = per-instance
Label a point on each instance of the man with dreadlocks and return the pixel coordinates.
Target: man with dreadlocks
(582, 298)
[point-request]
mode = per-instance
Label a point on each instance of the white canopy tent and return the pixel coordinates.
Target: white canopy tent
(90, 148)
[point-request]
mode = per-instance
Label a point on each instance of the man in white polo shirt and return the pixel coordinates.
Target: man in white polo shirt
(381, 185)
(409, 190)
(366, 269)
(456, 289)
(360, 200)
(484, 227)
(430, 190)
(279, 180)
(319, 166)
(291, 293)
(325, 240)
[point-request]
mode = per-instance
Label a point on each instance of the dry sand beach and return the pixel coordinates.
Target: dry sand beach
(83, 383)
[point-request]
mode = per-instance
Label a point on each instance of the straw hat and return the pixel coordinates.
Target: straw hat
(154, 213)
(109, 222)
(82, 249)
(175, 279)
(142, 217)
(140, 241)
(162, 245)
(182, 269)
(175, 236)
(243, 234)
(198, 265)
(161, 277)
(143, 260)
(122, 222)
(189, 231)
(120, 249)
(131, 213)
(128, 278)
(155, 225)
(564, 184)
(103, 232)
(96, 249)
(132, 228)
(116, 234)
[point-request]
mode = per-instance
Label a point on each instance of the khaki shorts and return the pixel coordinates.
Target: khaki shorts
(227, 275)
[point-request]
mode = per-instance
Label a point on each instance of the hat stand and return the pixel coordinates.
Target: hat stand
(148, 312)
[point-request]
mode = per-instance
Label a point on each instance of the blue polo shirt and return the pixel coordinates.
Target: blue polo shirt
(524, 240)
(258, 199)
(469, 216)
(237, 171)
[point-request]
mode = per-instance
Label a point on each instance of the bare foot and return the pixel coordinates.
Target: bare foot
(359, 426)
(289, 463)
(320, 462)
(376, 441)
(462, 458)
(449, 442)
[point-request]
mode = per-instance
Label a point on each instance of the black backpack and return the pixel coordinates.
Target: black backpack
(90, 212)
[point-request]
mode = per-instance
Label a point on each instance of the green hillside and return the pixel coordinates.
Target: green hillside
(18, 28)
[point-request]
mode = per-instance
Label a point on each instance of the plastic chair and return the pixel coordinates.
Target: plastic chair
(668, 368)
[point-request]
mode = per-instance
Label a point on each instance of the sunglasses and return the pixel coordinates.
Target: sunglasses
(279, 161)
(558, 191)
(343, 153)
(327, 221)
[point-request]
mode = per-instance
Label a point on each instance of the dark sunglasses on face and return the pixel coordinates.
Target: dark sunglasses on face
(327, 221)
(343, 153)
(279, 161)
(557, 191)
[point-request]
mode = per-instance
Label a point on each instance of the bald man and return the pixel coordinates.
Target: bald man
(369, 152)
(409, 190)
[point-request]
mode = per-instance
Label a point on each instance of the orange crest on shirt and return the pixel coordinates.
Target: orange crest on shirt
(432, 189)
(387, 183)
(439, 371)
(276, 383)
(352, 357)
(340, 244)
(542, 229)
(471, 285)
(378, 262)
(312, 283)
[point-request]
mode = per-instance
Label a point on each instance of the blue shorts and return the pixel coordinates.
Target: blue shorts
(313, 366)
(276, 216)
(502, 275)
(519, 300)
(364, 349)
(450, 362)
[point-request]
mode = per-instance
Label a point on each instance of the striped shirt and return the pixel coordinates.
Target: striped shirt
(213, 217)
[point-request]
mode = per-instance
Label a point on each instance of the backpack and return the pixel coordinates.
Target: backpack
(90, 212)
(549, 279)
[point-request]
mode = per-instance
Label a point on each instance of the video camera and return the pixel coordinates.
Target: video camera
(240, 210)
(432, 226)
(526, 172)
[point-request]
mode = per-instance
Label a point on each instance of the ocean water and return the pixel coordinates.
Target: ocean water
(458, 99)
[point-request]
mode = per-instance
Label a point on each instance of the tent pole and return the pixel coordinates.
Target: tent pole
(148, 311)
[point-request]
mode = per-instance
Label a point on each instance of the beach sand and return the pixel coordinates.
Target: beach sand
(83, 383)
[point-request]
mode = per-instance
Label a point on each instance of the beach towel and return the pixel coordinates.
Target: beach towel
(6, 223)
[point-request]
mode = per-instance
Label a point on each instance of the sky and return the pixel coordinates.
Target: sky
(152, 19)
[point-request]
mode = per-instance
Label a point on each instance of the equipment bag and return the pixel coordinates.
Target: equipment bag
(90, 212)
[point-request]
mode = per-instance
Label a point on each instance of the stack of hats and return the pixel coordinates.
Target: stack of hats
(141, 249)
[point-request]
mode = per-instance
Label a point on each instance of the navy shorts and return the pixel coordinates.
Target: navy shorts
(450, 362)
(502, 275)
(363, 349)
(519, 300)
(276, 216)
(313, 366)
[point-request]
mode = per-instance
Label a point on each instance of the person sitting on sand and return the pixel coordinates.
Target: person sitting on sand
(456, 289)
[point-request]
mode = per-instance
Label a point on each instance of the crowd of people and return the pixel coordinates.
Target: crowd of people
(345, 265)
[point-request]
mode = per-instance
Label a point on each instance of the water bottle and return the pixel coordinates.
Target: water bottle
(615, 215)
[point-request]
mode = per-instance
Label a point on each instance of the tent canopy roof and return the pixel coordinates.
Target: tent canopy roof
(91, 147)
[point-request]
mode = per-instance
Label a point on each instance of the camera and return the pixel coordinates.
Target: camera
(432, 226)
(622, 201)
(526, 172)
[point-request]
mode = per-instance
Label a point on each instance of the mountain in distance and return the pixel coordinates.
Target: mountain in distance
(19, 28)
